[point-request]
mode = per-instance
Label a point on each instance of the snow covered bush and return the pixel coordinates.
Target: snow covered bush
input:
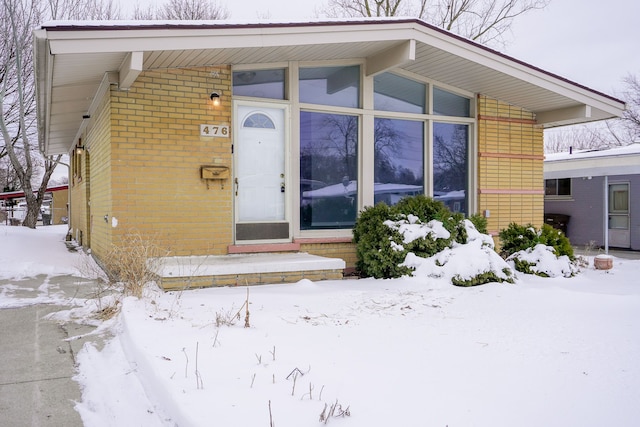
(472, 263)
(541, 260)
(479, 221)
(380, 245)
(419, 236)
(546, 252)
(517, 237)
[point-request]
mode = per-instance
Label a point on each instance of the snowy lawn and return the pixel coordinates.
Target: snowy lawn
(404, 352)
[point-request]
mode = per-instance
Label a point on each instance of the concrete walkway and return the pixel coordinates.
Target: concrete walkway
(36, 385)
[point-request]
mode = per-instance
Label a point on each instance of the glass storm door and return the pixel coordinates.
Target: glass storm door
(619, 235)
(260, 181)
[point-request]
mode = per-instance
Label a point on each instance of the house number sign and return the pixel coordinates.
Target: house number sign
(221, 131)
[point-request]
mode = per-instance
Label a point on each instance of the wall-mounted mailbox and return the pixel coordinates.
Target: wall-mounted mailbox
(214, 172)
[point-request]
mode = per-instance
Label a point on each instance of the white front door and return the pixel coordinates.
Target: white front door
(619, 233)
(260, 173)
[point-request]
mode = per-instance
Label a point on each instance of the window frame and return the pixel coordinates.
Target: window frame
(367, 114)
(557, 196)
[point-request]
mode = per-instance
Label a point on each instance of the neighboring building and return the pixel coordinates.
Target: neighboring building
(599, 192)
(54, 210)
(220, 138)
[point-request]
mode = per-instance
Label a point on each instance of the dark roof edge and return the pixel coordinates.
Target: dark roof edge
(192, 25)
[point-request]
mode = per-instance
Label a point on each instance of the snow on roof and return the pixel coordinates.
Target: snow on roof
(135, 24)
(582, 154)
(604, 162)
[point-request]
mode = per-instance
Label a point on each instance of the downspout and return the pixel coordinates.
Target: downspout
(606, 214)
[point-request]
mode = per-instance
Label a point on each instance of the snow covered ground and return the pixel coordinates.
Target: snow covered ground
(405, 352)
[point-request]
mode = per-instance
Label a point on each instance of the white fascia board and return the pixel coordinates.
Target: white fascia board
(44, 73)
(600, 166)
(81, 41)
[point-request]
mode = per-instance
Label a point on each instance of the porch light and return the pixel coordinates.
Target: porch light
(215, 98)
(79, 149)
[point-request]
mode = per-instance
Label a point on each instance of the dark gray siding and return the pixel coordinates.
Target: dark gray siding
(586, 208)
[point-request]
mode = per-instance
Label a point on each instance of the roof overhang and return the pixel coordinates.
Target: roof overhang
(77, 60)
(617, 161)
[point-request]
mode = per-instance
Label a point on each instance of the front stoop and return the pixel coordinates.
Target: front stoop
(177, 273)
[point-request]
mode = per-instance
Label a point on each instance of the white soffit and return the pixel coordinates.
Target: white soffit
(73, 57)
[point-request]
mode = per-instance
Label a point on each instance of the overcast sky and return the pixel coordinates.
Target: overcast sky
(592, 42)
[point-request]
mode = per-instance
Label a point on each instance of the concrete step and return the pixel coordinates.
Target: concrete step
(243, 269)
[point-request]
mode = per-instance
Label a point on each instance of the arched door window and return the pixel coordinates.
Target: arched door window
(259, 121)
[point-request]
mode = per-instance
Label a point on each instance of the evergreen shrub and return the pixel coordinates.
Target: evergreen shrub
(382, 248)
(376, 256)
(517, 238)
(519, 241)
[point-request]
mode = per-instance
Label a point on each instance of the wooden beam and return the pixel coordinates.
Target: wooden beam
(391, 58)
(130, 70)
(568, 115)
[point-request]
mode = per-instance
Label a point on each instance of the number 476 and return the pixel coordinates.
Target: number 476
(214, 130)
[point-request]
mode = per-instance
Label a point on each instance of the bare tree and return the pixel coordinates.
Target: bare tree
(17, 102)
(485, 21)
(364, 8)
(183, 10)
(17, 89)
(631, 119)
(142, 13)
(8, 179)
(82, 9)
(579, 137)
(607, 134)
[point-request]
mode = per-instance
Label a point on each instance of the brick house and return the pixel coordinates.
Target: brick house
(221, 139)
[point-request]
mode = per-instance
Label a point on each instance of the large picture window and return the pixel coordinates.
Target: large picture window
(328, 170)
(399, 159)
(451, 165)
(400, 134)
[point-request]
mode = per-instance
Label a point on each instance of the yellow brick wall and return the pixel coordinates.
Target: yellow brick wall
(79, 222)
(156, 155)
(145, 152)
(343, 250)
(510, 165)
(97, 179)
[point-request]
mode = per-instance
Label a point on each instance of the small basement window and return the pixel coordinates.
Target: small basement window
(557, 187)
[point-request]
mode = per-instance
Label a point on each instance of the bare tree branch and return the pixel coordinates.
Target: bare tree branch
(191, 10)
(631, 117)
(485, 21)
(17, 90)
(82, 9)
